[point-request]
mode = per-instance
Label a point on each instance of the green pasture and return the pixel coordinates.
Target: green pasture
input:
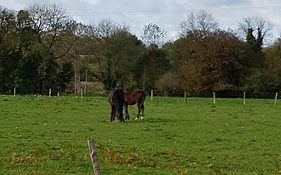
(47, 136)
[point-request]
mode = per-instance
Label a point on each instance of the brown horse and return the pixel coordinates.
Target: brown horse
(116, 100)
(134, 97)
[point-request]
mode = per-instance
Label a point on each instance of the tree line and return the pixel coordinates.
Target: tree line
(41, 47)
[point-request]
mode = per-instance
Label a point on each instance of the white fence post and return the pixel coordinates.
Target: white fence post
(151, 95)
(214, 97)
(50, 92)
(185, 96)
(15, 89)
(276, 97)
(244, 97)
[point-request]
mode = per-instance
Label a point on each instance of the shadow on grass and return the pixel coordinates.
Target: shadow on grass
(157, 120)
(145, 120)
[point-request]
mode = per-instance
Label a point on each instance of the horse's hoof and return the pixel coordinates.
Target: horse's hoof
(141, 118)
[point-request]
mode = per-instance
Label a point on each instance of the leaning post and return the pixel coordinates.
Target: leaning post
(94, 156)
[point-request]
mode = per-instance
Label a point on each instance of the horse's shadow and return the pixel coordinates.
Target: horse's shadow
(157, 120)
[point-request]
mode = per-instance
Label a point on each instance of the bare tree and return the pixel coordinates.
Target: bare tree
(201, 21)
(258, 25)
(57, 37)
(107, 28)
(48, 19)
(153, 34)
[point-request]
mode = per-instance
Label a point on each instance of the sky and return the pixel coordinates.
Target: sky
(167, 14)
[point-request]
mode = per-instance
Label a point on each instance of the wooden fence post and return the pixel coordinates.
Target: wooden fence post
(94, 156)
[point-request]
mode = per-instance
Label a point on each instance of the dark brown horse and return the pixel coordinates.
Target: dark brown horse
(134, 97)
(116, 100)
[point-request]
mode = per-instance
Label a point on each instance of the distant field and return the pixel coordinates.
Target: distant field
(47, 136)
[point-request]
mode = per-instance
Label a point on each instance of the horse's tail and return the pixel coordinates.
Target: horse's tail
(119, 99)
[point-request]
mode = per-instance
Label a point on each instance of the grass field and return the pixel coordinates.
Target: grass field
(44, 136)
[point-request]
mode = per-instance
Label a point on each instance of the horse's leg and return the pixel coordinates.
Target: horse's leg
(113, 113)
(142, 111)
(122, 118)
(139, 110)
(120, 115)
(127, 113)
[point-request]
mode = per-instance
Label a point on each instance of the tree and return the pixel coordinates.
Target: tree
(272, 75)
(114, 56)
(210, 63)
(153, 35)
(201, 21)
(256, 32)
(169, 83)
(153, 59)
(71, 53)
(106, 28)
(50, 23)
(8, 53)
(151, 66)
(258, 29)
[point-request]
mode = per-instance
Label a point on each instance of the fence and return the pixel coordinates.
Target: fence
(185, 94)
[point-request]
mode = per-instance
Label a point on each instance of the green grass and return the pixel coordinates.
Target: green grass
(44, 136)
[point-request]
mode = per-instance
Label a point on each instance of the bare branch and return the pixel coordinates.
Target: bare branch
(201, 21)
(106, 28)
(257, 24)
(153, 34)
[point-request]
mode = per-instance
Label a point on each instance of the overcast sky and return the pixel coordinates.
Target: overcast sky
(167, 14)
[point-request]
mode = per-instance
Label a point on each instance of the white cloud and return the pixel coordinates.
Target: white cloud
(165, 13)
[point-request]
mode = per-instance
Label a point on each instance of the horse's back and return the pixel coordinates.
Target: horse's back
(133, 97)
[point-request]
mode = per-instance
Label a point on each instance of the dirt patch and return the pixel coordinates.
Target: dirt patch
(19, 158)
